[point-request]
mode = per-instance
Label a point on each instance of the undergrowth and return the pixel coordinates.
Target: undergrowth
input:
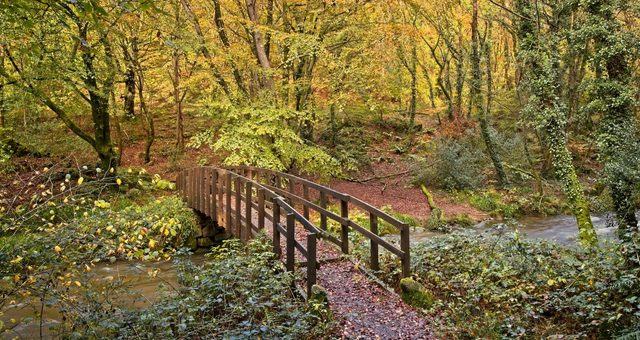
(504, 286)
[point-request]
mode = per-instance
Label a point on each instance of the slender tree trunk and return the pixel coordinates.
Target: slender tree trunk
(177, 98)
(117, 126)
(205, 51)
(129, 90)
(148, 123)
(258, 41)
(459, 85)
(414, 87)
(3, 123)
(476, 97)
(222, 34)
(3, 109)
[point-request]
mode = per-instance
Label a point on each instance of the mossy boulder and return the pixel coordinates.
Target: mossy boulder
(415, 294)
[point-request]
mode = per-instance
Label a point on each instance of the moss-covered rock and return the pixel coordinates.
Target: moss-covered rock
(415, 294)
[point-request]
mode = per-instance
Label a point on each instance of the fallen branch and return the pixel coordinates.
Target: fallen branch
(368, 179)
(436, 218)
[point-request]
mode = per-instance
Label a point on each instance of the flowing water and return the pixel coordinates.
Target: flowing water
(144, 280)
(561, 229)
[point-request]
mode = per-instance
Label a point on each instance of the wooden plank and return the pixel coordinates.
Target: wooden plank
(220, 198)
(337, 195)
(237, 189)
(290, 249)
(311, 262)
(199, 189)
(344, 227)
(404, 245)
(375, 257)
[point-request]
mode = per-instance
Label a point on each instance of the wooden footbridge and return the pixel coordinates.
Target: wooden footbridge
(246, 200)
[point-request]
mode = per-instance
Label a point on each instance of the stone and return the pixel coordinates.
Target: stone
(415, 294)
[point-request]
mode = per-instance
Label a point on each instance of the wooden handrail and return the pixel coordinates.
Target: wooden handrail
(233, 197)
(345, 202)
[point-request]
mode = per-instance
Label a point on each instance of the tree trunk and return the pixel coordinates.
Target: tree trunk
(148, 123)
(618, 140)
(129, 91)
(414, 87)
(476, 97)
(545, 86)
(177, 98)
(258, 41)
(222, 34)
(205, 51)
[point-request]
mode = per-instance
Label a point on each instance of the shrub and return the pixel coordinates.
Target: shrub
(452, 164)
(264, 137)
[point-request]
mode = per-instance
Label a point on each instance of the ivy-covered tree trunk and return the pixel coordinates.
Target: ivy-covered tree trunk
(617, 140)
(477, 107)
(543, 78)
(129, 91)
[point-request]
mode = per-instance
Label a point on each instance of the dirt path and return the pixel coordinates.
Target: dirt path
(363, 309)
(399, 193)
(367, 311)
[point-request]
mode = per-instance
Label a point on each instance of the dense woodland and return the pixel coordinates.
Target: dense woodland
(498, 108)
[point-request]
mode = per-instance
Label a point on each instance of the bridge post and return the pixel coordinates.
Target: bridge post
(405, 247)
(344, 226)
(276, 233)
(323, 205)
(305, 207)
(214, 196)
(247, 207)
(373, 222)
(238, 206)
(292, 190)
(261, 214)
(206, 173)
(198, 191)
(291, 234)
(311, 261)
(227, 208)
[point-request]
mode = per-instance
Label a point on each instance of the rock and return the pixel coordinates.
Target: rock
(415, 294)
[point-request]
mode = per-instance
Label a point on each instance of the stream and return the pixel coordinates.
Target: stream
(561, 229)
(145, 288)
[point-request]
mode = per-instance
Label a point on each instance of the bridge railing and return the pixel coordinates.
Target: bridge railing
(302, 191)
(240, 205)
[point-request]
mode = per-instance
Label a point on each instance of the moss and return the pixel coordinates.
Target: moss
(461, 220)
(415, 294)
